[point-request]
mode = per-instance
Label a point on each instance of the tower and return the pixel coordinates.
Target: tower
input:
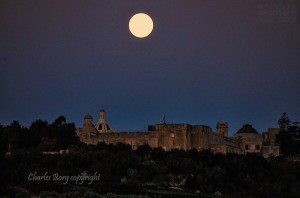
(222, 128)
(88, 130)
(88, 121)
(102, 115)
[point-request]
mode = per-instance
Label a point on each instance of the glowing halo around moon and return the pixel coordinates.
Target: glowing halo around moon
(141, 25)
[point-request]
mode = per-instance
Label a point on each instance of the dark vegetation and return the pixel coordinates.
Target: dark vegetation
(145, 171)
(288, 138)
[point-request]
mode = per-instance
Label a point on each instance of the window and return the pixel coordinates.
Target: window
(246, 146)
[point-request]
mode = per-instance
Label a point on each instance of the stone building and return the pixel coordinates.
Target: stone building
(259, 144)
(270, 147)
(223, 144)
(175, 136)
(251, 139)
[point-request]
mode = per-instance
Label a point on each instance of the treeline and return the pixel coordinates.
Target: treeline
(150, 171)
(40, 135)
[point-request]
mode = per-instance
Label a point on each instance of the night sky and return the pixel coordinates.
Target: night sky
(205, 61)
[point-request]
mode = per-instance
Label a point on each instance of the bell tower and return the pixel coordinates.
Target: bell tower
(222, 128)
(102, 115)
(88, 121)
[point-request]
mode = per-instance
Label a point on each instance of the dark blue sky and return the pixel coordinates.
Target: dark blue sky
(205, 61)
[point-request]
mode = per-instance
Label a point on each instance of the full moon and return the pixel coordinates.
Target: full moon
(141, 25)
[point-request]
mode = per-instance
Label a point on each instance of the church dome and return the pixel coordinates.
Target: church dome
(247, 128)
(247, 131)
(102, 126)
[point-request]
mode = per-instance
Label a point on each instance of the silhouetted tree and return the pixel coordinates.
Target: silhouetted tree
(294, 135)
(60, 121)
(14, 135)
(3, 142)
(158, 154)
(143, 150)
(284, 122)
(37, 130)
(64, 133)
(288, 137)
(123, 147)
